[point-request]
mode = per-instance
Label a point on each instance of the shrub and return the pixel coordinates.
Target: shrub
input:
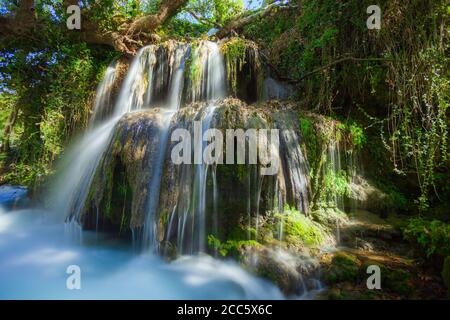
(432, 237)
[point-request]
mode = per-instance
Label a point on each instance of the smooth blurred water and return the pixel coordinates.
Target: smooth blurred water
(34, 257)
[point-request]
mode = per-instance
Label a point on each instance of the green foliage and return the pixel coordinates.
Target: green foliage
(356, 133)
(309, 135)
(336, 183)
(230, 247)
(216, 12)
(418, 139)
(7, 103)
(358, 136)
(395, 199)
(53, 91)
(234, 51)
(179, 28)
(432, 237)
(400, 75)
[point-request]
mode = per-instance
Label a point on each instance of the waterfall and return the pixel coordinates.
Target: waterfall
(134, 88)
(165, 78)
(103, 96)
(80, 163)
(297, 169)
(212, 87)
(149, 239)
(208, 81)
(335, 169)
(191, 206)
(182, 84)
(177, 76)
(78, 169)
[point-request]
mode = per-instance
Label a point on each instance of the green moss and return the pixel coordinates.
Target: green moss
(238, 53)
(344, 267)
(394, 279)
(230, 247)
(193, 68)
(242, 171)
(298, 229)
(234, 51)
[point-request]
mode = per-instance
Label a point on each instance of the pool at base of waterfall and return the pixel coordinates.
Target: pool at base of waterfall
(42, 261)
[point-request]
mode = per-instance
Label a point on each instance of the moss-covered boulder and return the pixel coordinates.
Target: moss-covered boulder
(344, 267)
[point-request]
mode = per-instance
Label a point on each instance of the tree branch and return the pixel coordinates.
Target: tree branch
(202, 20)
(343, 59)
(24, 24)
(149, 23)
(241, 22)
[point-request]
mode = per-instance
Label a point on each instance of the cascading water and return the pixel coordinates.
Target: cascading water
(298, 170)
(157, 79)
(191, 205)
(149, 237)
(134, 89)
(334, 172)
(103, 97)
(39, 258)
(334, 162)
(79, 165)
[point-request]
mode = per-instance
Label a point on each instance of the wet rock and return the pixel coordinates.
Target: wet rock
(294, 273)
(139, 153)
(364, 195)
(343, 267)
(363, 244)
(13, 196)
(120, 186)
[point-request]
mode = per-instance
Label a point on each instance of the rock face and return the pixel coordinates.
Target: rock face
(137, 170)
(363, 195)
(175, 207)
(176, 87)
(121, 185)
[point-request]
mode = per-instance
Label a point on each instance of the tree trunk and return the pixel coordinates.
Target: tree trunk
(8, 128)
(23, 23)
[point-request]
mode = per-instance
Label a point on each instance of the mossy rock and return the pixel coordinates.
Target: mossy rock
(299, 230)
(344, 267)
(446, 273)
(396, 280)
(354, 293)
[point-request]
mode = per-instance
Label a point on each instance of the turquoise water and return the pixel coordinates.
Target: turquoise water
(34, 257)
